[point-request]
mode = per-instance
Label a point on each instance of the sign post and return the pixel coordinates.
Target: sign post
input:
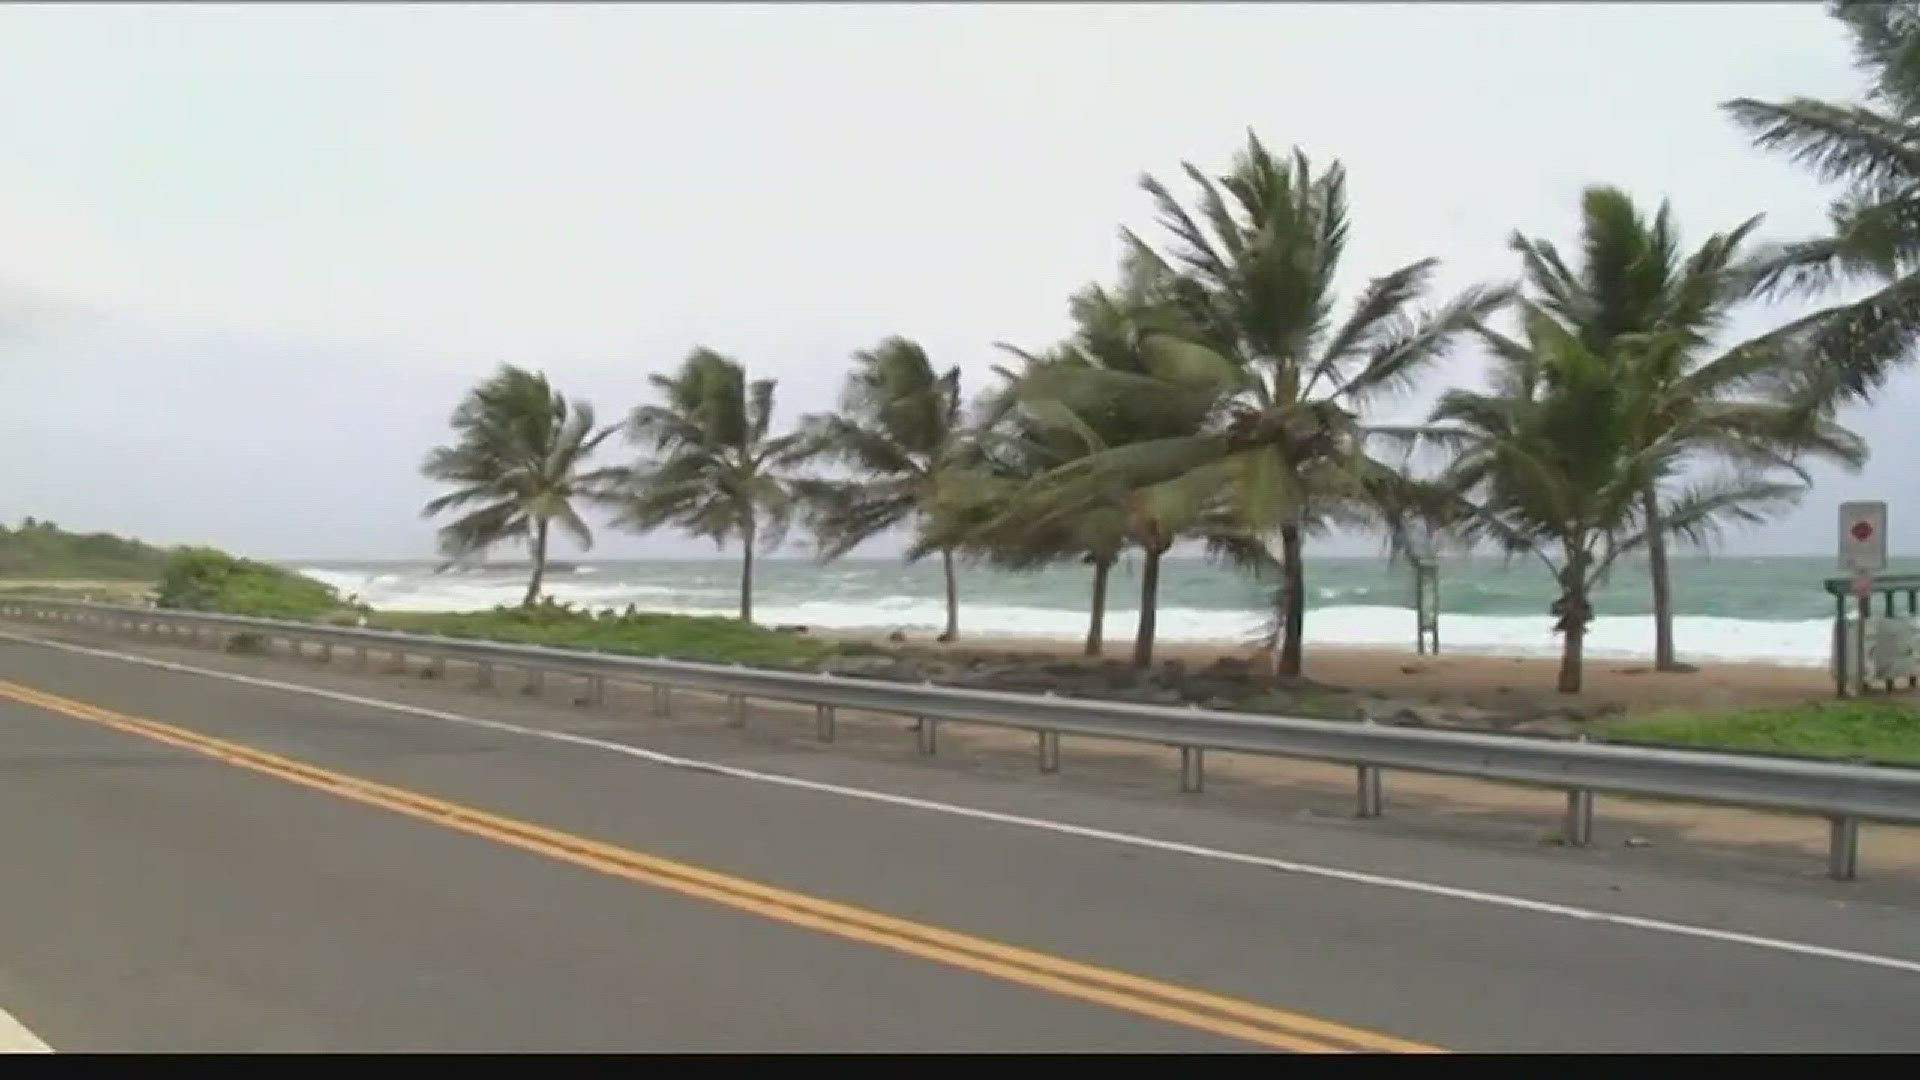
(1863, 550)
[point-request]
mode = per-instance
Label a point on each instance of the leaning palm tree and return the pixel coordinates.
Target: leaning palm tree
(899, 430)
(1253, 270)
(1555, 462)
(717, 471)
(518, 464)
(1873, 150)
(1092, 402)
(968, 511)
(1650, 312)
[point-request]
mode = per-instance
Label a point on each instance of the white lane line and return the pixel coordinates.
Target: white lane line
(16, 1039)
(1061, 828)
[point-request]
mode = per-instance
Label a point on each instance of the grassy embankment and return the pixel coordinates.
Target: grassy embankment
(1865, 729)
(681, 637)
(205, 580)
(41, 559)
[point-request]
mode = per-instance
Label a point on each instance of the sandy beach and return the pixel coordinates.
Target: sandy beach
(1465, 678)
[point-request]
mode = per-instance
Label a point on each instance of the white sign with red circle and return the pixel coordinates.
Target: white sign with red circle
(1863, 537)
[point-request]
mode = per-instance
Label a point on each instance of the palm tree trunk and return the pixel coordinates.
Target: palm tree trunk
(1657, 569)
(1572, 653)
(953, 597)
(1149, 608)
(1293, 607)
(746, 575)
(1096, 622)
(539, 564)
(1574, 615)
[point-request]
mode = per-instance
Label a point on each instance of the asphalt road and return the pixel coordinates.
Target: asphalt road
(195, 864)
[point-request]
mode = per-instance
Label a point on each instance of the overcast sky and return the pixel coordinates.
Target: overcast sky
(250, 258)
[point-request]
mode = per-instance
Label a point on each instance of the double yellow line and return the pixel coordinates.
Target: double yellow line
(1236, 1019)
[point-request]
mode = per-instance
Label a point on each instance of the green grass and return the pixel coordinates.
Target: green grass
(1863, 729)
(680, 637)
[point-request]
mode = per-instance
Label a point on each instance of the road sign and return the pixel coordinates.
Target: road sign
(1863, 537)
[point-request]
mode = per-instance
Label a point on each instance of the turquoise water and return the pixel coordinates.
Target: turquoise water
(1728, 607)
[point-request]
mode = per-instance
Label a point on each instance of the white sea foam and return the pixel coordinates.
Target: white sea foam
(1790, 642)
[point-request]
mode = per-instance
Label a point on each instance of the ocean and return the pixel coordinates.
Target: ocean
(1767, 609)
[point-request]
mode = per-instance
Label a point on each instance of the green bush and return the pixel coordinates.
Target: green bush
(203, 579)
(633, 633)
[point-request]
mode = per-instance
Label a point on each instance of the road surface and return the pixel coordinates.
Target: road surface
(196, 863)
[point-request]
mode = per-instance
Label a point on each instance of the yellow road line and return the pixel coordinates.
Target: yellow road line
(1187, 1007)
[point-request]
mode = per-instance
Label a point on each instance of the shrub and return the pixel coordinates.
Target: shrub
(203, 579)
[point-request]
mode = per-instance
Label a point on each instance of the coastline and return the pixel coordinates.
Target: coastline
(1478, 679)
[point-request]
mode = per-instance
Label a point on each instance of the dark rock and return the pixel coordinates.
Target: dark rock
(1231, 665)
(897, 636)
(1559, 727)
(790, 628)
(1143, 695)
(1412, 669)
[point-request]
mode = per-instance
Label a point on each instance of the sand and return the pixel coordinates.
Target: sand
(1467, 678)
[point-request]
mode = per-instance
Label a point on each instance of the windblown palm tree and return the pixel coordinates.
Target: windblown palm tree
(1642, 307)
(518, 465)
(1873, 150)
(899, 429)
(1088, 401)
(1252, 270)
(968, 511)
(717, 471)
(1555, 462)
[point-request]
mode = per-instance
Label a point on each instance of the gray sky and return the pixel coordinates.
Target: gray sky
(250, 258)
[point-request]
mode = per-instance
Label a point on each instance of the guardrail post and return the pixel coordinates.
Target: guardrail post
(1369, 801)
(928, 727)
(1192, 768)
(1578, 829)
(438, 666)
(736, 710)
(360, 655)
(1368, 797)
(326, 652)
(483, 675)
(536, 682)
(1843, 848)
(1049, 751)
(662, 699)
(823, 722)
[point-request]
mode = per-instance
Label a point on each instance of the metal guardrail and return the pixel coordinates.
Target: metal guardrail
(1845, 794)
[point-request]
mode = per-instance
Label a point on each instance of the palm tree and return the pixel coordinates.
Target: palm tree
(1109, 389)
(1253, 272)
(1873, 149)
(1555, 462)
(718, 472)
(1633, 287)
(899, 428)
(518, 466)
(969, 509)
